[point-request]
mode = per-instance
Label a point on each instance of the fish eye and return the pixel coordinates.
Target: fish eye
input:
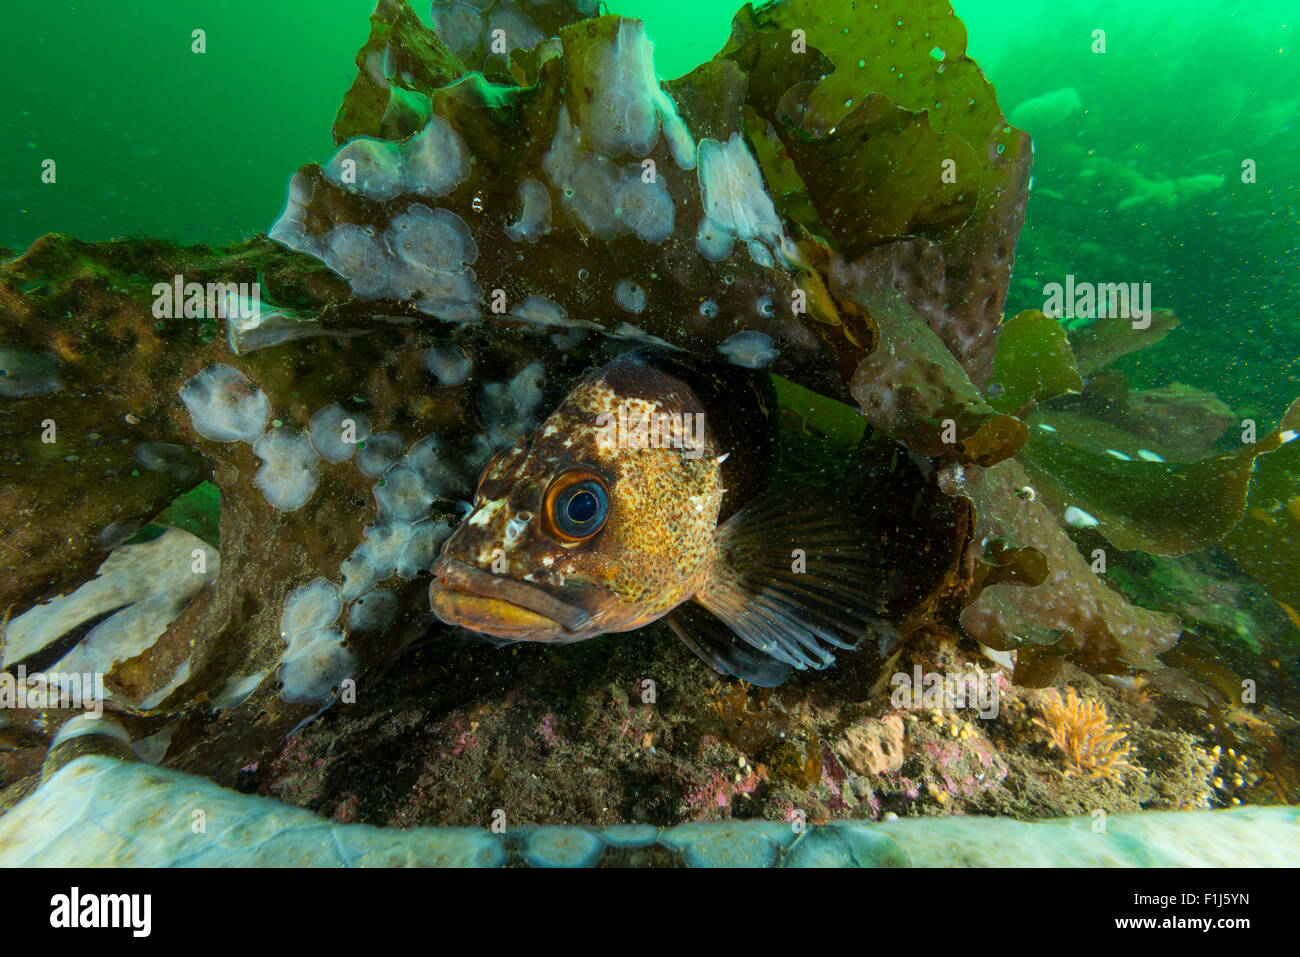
(576, 506)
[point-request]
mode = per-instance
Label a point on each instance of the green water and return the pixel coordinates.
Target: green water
(151, 138)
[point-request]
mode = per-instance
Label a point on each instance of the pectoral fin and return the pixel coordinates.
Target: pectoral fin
(720, 648)
(794, 574)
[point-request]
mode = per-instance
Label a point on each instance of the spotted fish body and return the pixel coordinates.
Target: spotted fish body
(591, 525)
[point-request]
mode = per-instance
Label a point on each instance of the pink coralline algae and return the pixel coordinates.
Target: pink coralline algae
(718, 792)
(465, 741)
(547, 729)
(346, 812)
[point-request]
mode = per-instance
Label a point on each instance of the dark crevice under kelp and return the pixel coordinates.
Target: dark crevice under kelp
(835, 197)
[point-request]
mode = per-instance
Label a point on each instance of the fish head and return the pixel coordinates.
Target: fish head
(592, 523)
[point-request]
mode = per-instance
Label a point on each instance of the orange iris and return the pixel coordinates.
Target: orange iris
(575, 506)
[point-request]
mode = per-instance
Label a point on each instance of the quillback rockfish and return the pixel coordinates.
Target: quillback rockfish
(642, 497)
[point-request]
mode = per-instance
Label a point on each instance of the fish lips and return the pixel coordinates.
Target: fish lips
(466, 596)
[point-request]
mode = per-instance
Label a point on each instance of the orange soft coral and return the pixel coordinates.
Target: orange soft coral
(1081, 729)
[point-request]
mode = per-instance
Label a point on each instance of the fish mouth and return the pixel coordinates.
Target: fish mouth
(469, 597)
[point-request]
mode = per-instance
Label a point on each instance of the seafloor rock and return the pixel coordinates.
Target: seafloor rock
(79, 818)
(152, 405)
(873, 747)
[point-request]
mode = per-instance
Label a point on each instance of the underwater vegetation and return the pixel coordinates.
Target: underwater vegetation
(227, 473)
(1081, 730)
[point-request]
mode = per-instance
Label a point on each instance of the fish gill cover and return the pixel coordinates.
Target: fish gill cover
(515, 197)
